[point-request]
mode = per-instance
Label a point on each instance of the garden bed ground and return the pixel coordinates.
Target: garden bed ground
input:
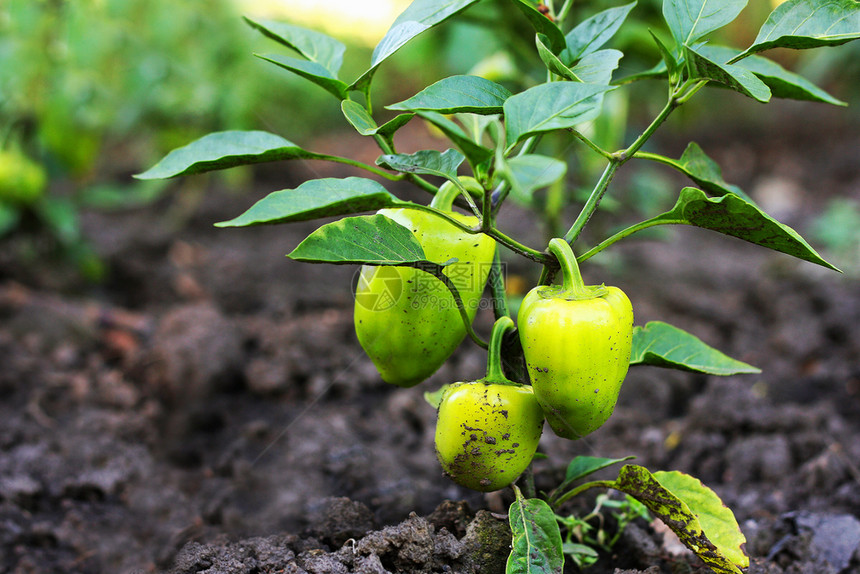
(208, 409)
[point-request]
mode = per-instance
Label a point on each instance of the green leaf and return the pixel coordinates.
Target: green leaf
(458, 94)
(662, 345)
(690, 20)
(370, 239)
(312, 71)
(542, 25)
(552, 62)
(717, 521)
(719, 545)
(552, 106)
(696, 165)
(731, 75)
(363, 122)
(536, 546)
(474, 152)
(530, 172)
(597, 67)
(803, 24)
(427, 162)
(421, 15)
(582, 466)
(782, 83)
(222, 150)
(314, 199)
(315, 46)
(734, 216)
(592, 33)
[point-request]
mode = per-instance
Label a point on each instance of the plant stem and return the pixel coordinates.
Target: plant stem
(592, 145)
(495, 373)
(517, 247)
(593, 201)
(573, 283)
(582, 488)
(565, 10)
(626, 233)
(497, 288)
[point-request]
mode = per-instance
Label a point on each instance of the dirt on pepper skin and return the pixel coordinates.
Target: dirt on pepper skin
(208, 408)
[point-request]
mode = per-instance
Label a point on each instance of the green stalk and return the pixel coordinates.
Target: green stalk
(497, 288)
(593, 201)
(582, 488)
(572, 284)
(626, 233)
(495, 374)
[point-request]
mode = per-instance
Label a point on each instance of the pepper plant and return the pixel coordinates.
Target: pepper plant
(425, 265)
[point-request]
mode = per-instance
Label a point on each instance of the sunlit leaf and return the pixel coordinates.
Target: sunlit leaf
(315, 46)
(690, 20)
(458, 94)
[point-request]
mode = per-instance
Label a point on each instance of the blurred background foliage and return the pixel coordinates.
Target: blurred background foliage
(96, 90)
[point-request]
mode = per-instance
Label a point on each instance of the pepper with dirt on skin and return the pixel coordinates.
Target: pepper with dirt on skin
(576, 341)
(487, 431)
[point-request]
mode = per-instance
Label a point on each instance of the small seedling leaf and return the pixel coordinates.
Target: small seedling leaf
(536, 547)
(370, 239)
(582, 466)
(314, 199)
(222, 150)
(458, 94)
(802, 24)
(662, 345)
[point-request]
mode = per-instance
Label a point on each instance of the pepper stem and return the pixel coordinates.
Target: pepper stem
(572, 284)
(448, 192)
(495, 374)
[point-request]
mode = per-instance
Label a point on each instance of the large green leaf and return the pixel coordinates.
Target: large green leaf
(363, 122)
(314, 199)
(536, 544)
(542, 24)
(315, 46)
(732, 215)
(458, 94)
(371, 239)
(663, 345)
(420, 16)
(782, 83)
(693, 512)
(222, 150)
(592, 33)
(312, 71)
(731, 75)
(474, 152)
(690, 20)
(552, 106)
(427, 162)
(802, 24)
